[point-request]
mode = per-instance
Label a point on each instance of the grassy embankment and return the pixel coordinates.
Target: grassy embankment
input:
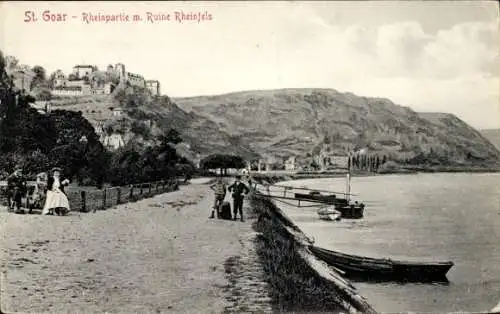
(295, 284)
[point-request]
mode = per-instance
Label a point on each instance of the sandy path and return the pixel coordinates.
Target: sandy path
(159, 254)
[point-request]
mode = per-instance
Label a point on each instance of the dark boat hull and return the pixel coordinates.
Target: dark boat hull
(327, 199)
(351, 211)
(374, 269)
(348, 211)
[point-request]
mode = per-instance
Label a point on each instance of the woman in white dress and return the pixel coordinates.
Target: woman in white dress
(56, 200)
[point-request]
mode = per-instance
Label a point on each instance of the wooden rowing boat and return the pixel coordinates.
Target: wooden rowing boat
(329, 214)
(382, 268)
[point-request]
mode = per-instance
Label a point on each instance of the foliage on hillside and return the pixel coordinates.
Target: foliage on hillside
(66, 139)
(203, 136)
(129, 164)
(302, 122)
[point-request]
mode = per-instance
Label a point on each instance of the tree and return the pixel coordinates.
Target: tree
(222, 162)
(40, 73)
(44, 94)
(173, 136)
(40, 78)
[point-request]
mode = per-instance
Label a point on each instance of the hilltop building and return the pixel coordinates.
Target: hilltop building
(86, 79)
(81, 70)
(153, 86)
(129, 77)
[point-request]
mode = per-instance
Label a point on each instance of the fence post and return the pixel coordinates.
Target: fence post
(104, 199)
(84, 205)
(131, 193)
(118, 195)
(150, 189)
(142, 188)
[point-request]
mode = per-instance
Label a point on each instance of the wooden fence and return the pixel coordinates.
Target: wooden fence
(93, 200)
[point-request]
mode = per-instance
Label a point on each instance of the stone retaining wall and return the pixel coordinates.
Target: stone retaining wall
(299, 281)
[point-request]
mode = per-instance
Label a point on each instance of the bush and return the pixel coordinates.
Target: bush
(390, 167)
(294, 285)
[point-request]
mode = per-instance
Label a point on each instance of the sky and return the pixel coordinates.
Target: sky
(431, 56)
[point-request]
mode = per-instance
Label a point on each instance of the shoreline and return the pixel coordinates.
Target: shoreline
(292, 175)
(299, 281)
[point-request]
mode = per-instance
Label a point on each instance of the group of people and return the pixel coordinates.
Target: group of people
(49, 191)
(238, 189)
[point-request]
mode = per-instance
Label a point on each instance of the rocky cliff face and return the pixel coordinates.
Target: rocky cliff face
(304, 121)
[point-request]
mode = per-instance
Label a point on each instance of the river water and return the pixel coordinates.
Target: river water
(452, 216)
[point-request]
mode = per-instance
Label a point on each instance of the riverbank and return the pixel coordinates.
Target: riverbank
(159, 254)
(299, 281)
(271, 177)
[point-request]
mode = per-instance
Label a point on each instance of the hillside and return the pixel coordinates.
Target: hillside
(144, 117)
(493, 135)
(304, 121)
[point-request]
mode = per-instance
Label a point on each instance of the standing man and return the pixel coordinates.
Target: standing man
(238, 188)
(17, 188)
(220, 193)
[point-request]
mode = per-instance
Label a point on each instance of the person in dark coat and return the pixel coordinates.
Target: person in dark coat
(239, 189)
(17, 187)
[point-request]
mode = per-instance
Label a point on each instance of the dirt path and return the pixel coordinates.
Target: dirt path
(158, 255)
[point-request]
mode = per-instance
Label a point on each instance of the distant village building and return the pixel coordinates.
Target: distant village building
(117, 112)
(113, 141)
(290, 163)
(153, 86)
(271, 163)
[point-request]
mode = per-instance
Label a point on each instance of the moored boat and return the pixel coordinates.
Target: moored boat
(384, 268)
(327, 199)
(348, 210)
(351, 211)
(329, 214)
